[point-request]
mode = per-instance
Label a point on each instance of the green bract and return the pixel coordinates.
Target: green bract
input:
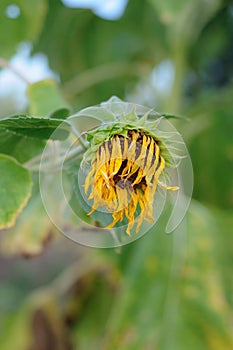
(148, 123)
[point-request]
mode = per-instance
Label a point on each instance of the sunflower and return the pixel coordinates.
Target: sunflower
(125, 171)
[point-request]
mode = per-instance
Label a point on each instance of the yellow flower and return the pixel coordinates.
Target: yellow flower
(124, 176)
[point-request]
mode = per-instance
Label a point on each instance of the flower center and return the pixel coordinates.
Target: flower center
(124, 176)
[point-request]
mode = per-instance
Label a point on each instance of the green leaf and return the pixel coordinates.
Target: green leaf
(45, 98)
(17, 146)
(18, 132)
(15, 334)
(15, 190)
(173, 116)
(172, 284)
(34, 127)
(116, 106)
(24, 27)
(61, 113)
(99, 113)
(27, 237)
(131, 117)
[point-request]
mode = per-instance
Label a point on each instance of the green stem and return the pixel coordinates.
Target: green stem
(174, 101)
(49, 166)
(81, 140)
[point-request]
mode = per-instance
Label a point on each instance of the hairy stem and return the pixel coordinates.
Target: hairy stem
(49, 165)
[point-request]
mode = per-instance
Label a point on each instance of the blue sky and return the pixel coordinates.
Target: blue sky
(108, 9)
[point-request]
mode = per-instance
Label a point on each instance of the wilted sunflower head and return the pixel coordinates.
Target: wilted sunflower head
(127, 159)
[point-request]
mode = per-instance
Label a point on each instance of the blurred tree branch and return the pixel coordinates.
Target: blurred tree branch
(93, 76)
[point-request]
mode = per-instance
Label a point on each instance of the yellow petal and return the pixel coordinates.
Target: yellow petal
(125, 149)
(139, 177)
(132, 151)
(89, 176)
(169, 188)
(151, 170)
(150, 156)
(117, 217)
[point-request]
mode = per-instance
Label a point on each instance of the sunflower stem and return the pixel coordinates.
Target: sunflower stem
(34, 163)
(79, 136)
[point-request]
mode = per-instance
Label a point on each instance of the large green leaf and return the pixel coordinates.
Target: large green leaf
(20, 20)
(24, 137)
(172, 291)
(17, 146)
(45, 98)
(27, 238)
(34, 127)
(15, 190)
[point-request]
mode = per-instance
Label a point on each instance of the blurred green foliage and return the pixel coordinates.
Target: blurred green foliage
(163, 292)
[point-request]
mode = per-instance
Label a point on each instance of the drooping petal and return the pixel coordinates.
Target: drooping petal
(124, 177)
